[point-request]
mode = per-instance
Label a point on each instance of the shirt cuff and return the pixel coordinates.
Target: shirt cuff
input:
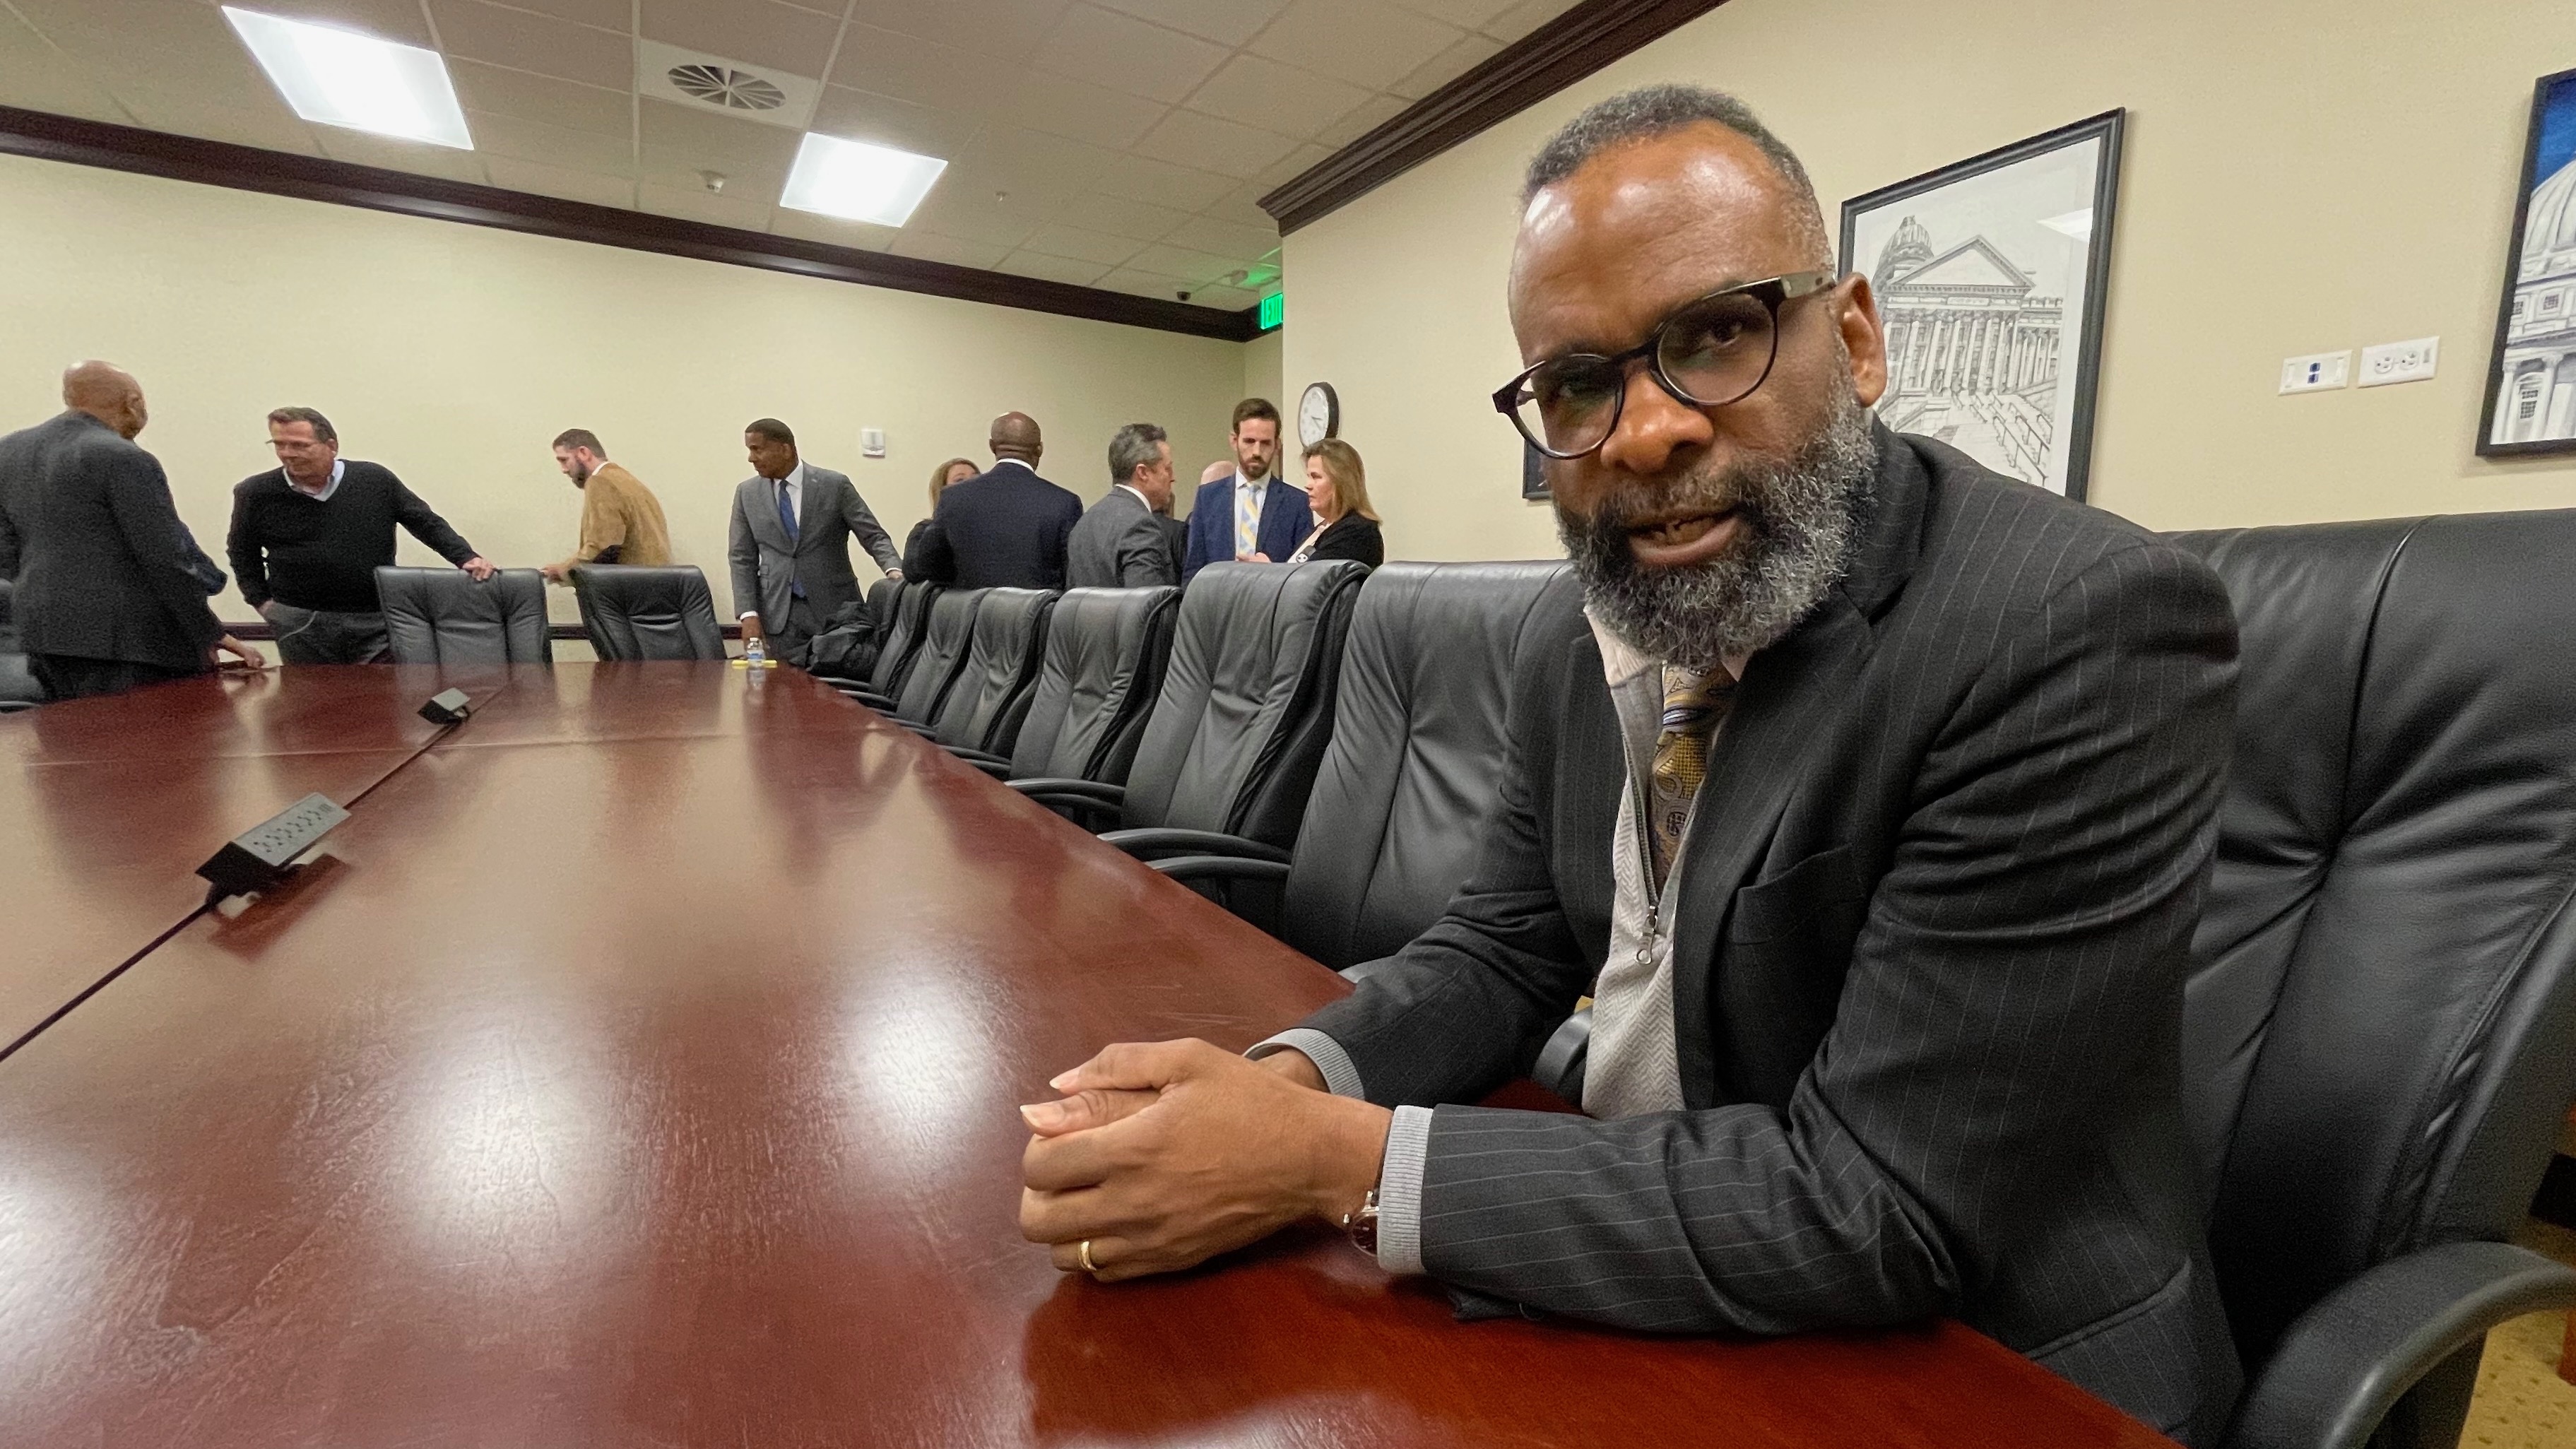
(1340, 1077)
(1399, 1191)
(746, 614)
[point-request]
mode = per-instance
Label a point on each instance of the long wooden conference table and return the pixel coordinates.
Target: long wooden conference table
(637, 1067)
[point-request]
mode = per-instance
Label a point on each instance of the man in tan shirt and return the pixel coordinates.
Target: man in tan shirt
(621, 520)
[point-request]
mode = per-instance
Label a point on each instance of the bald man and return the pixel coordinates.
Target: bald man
(1870, 799)
(109, 595)
(1003, 528)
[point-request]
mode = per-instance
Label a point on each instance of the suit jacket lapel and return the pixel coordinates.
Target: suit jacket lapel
(760, 502)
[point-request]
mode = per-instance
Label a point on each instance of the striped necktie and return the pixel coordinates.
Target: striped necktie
(1694, 704)
(1247, 518)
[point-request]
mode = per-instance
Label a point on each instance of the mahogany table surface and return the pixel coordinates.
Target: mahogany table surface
(638, 1068)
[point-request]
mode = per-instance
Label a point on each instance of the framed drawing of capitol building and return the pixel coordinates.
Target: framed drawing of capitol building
(2531, 384)
(1990, 276)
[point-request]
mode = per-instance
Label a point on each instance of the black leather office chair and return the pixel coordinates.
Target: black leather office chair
(905, 625)
(442, 616)
(947, 635)
(1245, 709)
(982, 708)
(1106, 650)
(1414, 765)
(634, 612)
(18, 687)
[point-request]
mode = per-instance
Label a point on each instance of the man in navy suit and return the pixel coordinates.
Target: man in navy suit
(1004, 528)
(1251, 516)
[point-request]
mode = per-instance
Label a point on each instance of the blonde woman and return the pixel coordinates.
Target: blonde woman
(955, 470)
(1337, 492)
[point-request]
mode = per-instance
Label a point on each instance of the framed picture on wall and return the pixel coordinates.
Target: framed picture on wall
(1533, 474)
(2531, 381)
(1991, 276)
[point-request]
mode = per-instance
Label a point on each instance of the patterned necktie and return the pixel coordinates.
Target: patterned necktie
(787, 520)
(1247, 519)
(1693, 706)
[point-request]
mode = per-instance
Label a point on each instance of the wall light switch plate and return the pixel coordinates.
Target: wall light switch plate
(2316, 372)
(872, 442)
(2399, 361)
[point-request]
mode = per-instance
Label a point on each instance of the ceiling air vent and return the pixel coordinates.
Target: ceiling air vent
(724, 85)
(735, 90)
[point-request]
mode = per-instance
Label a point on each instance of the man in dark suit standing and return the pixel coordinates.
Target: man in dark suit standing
(1872, 803)
(790, 543)
(109, 596)
(1248, 516)
(1120, 543)
(1005, 528)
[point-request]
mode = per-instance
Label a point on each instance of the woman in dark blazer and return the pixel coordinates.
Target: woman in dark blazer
(1337, 492)
(955, 470)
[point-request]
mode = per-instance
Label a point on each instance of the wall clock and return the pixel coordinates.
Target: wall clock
(1319, 414)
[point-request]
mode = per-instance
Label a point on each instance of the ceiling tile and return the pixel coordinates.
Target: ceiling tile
(679, 142)
(1033, 167)
(963, 213)
(1372, 113)
(417, 157)
(1366, 43)
(1245, 244)
(837, 231)
(1181, 262)
(1276, 97)
(385, 19)
(1466, 14)
(1073, 242)
(1291, 166)
(1141, 178)
(1144, 284)
(698, 204)
(33, 75)
(932, 247)
(523, 41)
(1524, 18)
(1118, 216)
(612, 156)
(1470, 52)
(616, 15)
(1101, 45)
(1228, 22)
(492, 89)
(1001, 29)
(1186, 138)
(1242, 206)
(1223, 299)
(544, 180)
(1062, 106)
(922, 130)
(756, 32)
(1053, 269)
(909, 68)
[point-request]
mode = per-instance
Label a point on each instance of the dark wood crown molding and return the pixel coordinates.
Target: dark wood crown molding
(1529, 70)
(51, 137)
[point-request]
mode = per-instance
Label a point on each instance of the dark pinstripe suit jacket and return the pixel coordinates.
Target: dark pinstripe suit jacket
(1938, 892)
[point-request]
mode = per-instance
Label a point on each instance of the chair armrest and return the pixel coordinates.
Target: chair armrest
(1559, 1067)
(2348, 1360)
(12, 706)
(975, 757)
(1219, 867)
(1060, 788)
(998, 769)
(1147, 842)
(923, 730)
(868, 697)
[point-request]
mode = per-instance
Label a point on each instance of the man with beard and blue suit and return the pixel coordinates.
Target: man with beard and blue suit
(1249, 515)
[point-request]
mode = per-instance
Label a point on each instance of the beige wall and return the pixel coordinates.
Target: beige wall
(2301, 176)
(453, 354)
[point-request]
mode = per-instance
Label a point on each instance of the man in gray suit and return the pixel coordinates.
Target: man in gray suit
(109, 592)
(1872, 803)
(1120, 542)
(790, 545)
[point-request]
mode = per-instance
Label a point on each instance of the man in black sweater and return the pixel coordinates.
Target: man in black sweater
(309, 535)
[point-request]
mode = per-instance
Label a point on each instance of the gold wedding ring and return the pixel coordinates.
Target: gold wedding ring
(1083, 1255)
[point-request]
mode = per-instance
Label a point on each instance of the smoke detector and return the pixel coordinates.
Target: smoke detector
(725, 86)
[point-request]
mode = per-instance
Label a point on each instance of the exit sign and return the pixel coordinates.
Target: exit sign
(1274, 310)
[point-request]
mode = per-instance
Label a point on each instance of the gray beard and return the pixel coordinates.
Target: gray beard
(1801, 520)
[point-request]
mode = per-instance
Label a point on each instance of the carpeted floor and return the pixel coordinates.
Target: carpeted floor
(2522, 1403)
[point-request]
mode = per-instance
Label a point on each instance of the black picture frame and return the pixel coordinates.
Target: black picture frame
(2510, 362)
(2032, 448)
(1533, 474)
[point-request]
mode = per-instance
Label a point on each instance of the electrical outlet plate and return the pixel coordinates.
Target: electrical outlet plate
(2316, 372)
(872, 442)
(2389, 362)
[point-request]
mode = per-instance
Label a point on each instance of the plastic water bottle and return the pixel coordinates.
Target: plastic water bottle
(754, 654)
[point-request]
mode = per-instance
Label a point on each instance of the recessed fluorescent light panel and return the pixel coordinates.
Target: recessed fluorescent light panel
(860, 182)
(338, 77)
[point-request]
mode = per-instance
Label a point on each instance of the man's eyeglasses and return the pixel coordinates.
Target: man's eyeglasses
(1707, 353)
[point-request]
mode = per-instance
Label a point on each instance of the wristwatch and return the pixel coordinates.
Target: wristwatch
(1362, 1224)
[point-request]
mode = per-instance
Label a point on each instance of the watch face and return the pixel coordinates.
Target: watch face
(1315, 415)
